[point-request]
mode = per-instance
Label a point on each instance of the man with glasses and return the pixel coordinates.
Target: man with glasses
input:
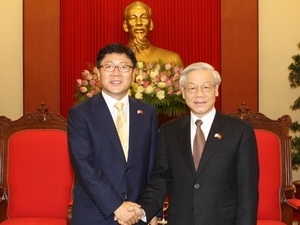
(111, 167)
(208, 161)
(138, 23)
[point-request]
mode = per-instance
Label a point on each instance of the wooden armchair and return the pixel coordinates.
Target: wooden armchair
(295, 202)
(275, 182)
(36, 177)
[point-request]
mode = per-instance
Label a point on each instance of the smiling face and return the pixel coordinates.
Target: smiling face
(116, 83)
(200, 92)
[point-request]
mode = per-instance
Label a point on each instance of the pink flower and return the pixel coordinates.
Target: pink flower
(84, 83)
(89, 94)
(169, 82)
(176, 76)
(170, 92)
(144, 75)
(168, 66)
(79, 82)
(178, 93)
(95, 70)
(87, 75)
(92, 82)
(146, 84)
(85, 72)
(149, 65)
(83, 89)
(164, 77)
(155, 79)
(96, 90)
(177, 69)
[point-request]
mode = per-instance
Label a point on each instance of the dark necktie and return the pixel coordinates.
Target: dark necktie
(198, 145)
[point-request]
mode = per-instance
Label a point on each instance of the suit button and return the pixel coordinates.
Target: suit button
(196, 186)
(124, 195)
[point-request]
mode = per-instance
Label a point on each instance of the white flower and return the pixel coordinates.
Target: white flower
(155, 72)
(161, 85)
(149, 89)
(138, 95)
(139, 77)
(160, 94)
(140, 65)
(129, 92)
(140, 89)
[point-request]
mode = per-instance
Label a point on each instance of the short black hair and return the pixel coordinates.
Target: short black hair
(115, 48)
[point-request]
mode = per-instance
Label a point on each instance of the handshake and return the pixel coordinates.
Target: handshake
(130, 213)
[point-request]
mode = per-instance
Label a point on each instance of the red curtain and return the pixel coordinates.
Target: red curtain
(190, 28)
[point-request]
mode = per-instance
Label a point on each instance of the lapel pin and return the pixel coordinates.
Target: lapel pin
(219, 136)
(140, 112)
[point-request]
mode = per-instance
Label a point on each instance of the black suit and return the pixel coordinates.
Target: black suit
(223, 191)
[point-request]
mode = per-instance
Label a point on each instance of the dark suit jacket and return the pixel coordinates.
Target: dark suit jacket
(224, 190)
(103, 178)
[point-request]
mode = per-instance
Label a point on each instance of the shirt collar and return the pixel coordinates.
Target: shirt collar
(110, 101)
(207, 119)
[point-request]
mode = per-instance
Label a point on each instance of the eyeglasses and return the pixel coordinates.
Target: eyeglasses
(111, 68)
(192, 89)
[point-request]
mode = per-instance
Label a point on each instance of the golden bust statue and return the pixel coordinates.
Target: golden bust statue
(138, 23)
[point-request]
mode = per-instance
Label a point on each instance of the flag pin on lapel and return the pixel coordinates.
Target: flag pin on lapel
(217, 135)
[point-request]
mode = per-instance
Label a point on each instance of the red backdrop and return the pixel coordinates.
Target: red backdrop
(191, 29)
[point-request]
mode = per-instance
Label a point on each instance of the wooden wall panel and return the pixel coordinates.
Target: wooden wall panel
(239, 54)
(41, 54)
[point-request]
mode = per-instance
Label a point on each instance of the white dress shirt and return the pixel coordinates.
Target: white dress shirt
(113, 110)
(207, 121)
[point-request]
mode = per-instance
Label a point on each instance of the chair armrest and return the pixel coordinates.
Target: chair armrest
(294, 203)
(3, 204)
(69, 213)
(2, 191)
(288, 192)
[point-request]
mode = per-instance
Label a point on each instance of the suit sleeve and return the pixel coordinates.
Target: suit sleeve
(160, 181)
(247, 170)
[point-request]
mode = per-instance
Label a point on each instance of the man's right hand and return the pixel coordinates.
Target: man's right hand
(126, 213)
(138, 211)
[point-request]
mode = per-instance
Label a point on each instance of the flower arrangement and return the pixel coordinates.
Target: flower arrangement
(156, 83)
(89, 85)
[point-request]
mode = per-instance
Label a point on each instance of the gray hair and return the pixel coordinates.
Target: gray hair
(199, 66)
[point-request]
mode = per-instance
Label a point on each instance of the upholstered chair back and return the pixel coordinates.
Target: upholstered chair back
(36, 173)
(269, 175)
